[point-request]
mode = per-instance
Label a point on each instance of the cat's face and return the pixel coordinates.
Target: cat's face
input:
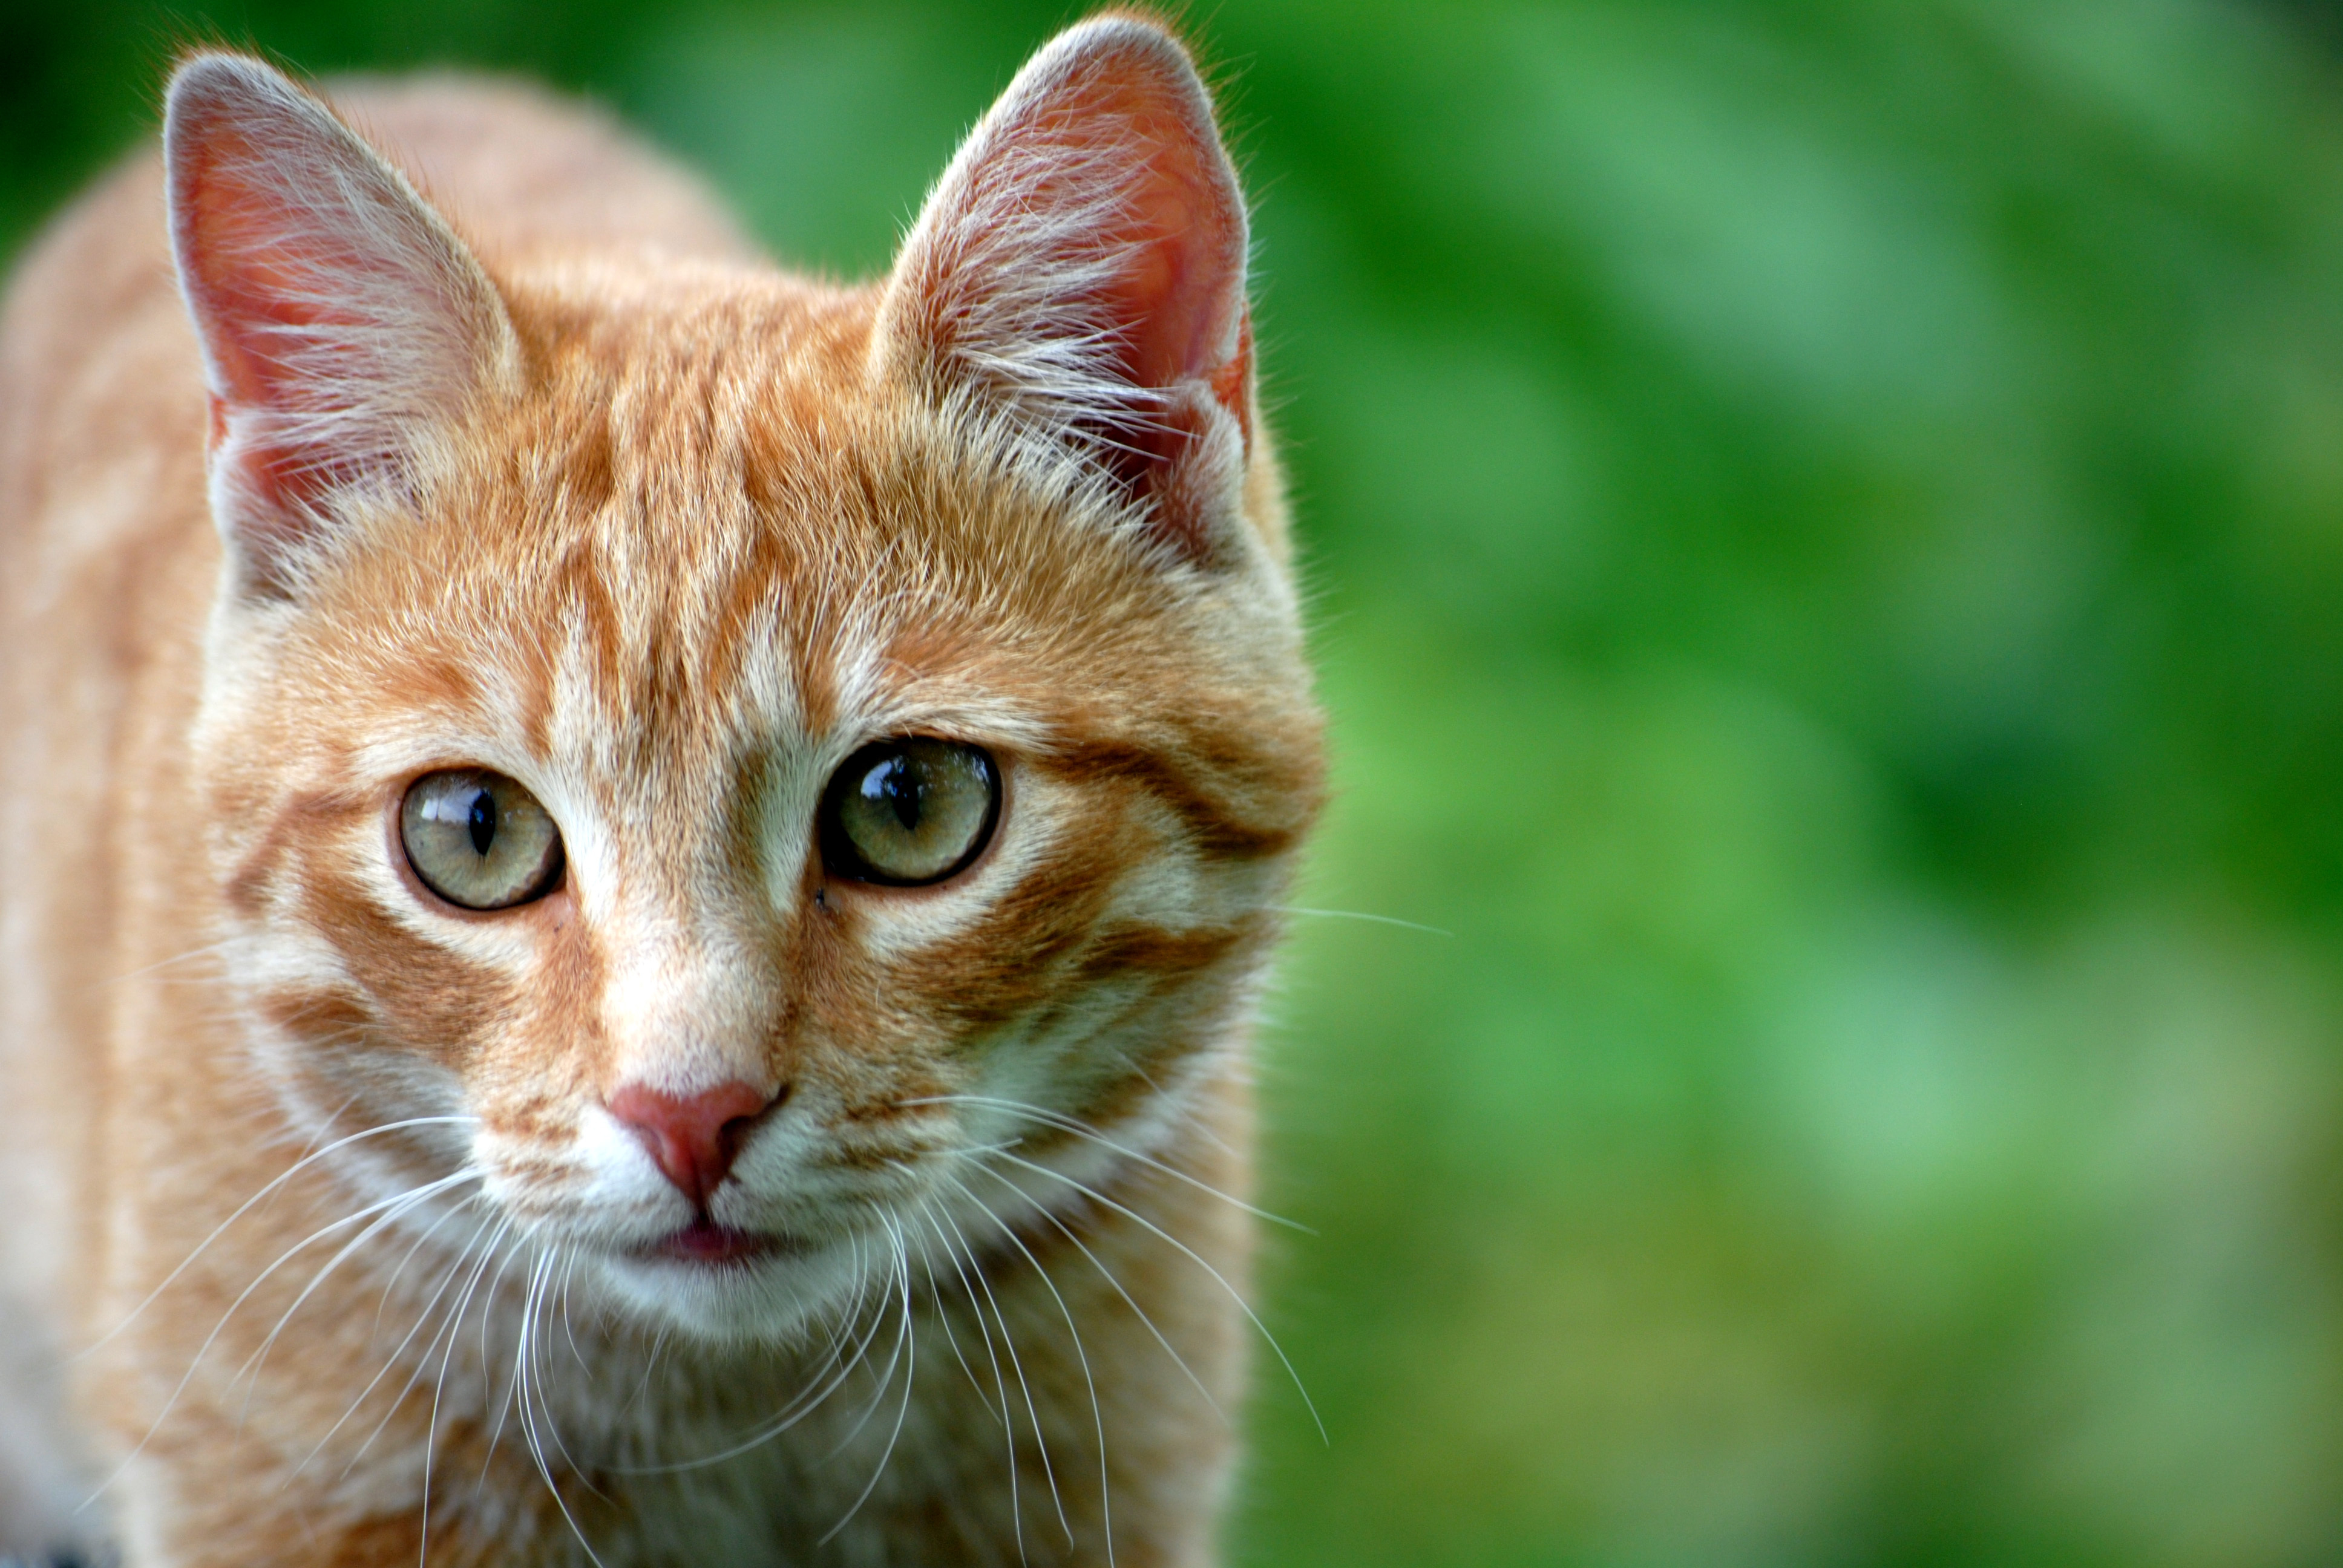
(754, 777)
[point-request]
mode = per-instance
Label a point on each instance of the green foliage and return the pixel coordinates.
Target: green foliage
(1824, 522)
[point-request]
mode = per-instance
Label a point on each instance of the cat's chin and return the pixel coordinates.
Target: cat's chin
(718, 1283)
(706, 1245)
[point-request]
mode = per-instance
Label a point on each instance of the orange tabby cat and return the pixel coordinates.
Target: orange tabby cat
(635, 884)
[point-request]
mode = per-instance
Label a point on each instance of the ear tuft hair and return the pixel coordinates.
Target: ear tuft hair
(1082, 265)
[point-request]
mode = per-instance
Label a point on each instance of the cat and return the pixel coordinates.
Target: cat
(636, 885)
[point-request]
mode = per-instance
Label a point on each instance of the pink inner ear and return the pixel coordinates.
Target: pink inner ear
(1188, 261)
(336, 313)
(253, 291)
(1085, 255)
(243, 273)
(1185, 273)
(1176, 303)
(272, 292)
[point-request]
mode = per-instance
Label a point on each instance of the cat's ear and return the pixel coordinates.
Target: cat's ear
(342, 322)
(1083, 264)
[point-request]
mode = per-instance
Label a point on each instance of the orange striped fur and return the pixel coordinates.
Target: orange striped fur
(320, 1242)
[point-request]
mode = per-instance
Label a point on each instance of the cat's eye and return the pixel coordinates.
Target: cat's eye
(479, 840)
(909, 811)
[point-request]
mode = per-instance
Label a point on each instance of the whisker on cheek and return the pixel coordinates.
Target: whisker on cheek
(447, 1348)
(1001, 1386)
(943, 1306)
(1192, 1256)
(1128, 1300)
(389, 1216)
(421, 1364)
(1009, 1343)
(304, 1163)
(905, 1339)
(195, 1362)
(1081, 1357)
(1079, 1129)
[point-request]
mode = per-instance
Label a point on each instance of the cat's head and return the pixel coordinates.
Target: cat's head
(694, 757)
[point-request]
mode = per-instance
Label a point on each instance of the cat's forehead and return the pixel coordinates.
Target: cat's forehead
(707, 522)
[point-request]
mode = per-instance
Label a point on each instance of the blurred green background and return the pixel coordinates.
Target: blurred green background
(1826, 526)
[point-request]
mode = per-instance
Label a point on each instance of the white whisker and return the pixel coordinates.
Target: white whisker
(390, 1362)
(203, 1350)
(439, 1386)
(1009, 1343)
(910, 1377)
(415, 1375)
(879, 1394)
(570, 1272)
(487, 1379)
(1194, 1256)
(247, 1207)
(1008, 1418)
(1083, 1130)
(258, 1359)
(1082, 1356)
(532, 1298)
(191, 953)
(1371, 919)
(1108, 1274)
(944, 1316)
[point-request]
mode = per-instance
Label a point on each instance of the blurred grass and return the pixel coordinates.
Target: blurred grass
(1825, 523)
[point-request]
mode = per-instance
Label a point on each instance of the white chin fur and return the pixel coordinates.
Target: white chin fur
(771, 1300)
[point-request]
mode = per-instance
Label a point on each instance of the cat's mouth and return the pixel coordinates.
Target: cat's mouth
(704, 1241)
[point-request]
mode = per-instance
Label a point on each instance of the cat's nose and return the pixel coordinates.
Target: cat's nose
(692, 1137)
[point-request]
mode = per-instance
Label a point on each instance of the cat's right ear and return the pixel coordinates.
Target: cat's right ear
(1082, 266)
(341, 320)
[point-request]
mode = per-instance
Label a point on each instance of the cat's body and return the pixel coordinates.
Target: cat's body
(666, 536)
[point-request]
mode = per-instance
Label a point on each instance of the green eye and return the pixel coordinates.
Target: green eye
(479, 840)
(909, 811)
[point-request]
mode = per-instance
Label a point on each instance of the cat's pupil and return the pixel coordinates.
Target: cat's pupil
(909, 811)
(894, 782)
(479, 840)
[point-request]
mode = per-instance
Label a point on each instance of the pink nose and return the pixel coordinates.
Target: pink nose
(693, 1137)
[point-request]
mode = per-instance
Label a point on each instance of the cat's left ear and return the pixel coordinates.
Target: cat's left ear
(1082, 266)
(343, 324)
